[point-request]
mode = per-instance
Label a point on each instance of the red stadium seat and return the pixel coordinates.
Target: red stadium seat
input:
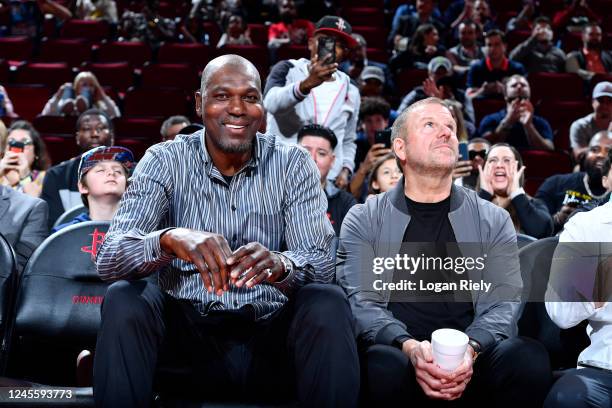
(91, 30)
(292, 52)
(137, 146)
(214, 32)
(28, 100)
(15, 48)
(369, 3)
(408, 79)
(155, 102)
(52, 74)
(197, 55)
(516, 37)
(486, 106)
(136, 53)
(138, 128)
(4, 72)
(181, 76)
(559, 86)
(55, 124)
(364, 16)
(378, 55)
(118, 75)
(571, 41)
(541, 164)
(376, 37)
(73, 51)
(60, 146)
(257, 54)
(560, 115)
(258, 34)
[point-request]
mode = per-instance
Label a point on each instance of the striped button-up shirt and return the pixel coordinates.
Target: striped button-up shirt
(275, 199)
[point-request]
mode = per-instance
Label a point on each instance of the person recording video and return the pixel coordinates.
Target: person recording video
(315, 91)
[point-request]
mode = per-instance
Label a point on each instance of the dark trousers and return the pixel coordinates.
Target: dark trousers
(513, 373)
(149, 340)
(581, 388)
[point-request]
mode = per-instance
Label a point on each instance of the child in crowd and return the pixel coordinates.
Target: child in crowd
(385, 175)
(103, 175)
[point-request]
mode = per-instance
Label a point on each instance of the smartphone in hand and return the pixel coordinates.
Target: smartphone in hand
(15, 146)
(383, 137)
(463, 151)
(326, 46)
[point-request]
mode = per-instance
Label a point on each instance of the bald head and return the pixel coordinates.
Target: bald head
(601, 137)
(232, 62)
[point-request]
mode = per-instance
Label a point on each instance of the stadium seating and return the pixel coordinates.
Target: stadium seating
(28, 100)
(69, 214)
(60, 146)
(91, 30)
(563, 346)
(545, 85)
(52, 74)
(560, 115)
(181, 76)
(57, 310)
(118, 75)
(135, 53)
(541, 164)
(73, 51)
(486, 106)
(55, 124)
(18, 48)
(8, 274)
(409, 78)
(196, 55)
(137, 128)
(155, 102)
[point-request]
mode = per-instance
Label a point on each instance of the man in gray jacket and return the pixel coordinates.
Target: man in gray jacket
(429, 255)
(23, 222)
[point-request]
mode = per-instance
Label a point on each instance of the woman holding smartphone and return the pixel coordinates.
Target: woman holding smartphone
(25, 159)
(84, 93)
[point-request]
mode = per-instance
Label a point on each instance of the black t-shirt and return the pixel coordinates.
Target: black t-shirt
(429, 233)
(562, 189)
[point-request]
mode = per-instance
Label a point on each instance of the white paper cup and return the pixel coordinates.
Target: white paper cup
(449, 346)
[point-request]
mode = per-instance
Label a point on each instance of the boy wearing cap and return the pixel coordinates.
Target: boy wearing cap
(103, 174)
(300, 92)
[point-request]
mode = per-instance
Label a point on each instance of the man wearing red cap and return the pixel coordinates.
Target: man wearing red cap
(301, 92)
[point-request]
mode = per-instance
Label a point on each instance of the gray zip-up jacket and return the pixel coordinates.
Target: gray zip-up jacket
(376, 229)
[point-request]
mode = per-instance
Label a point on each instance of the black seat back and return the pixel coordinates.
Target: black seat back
(69, 215)
(563, 346)
(8, 273)
(57, 310)
(524, 240)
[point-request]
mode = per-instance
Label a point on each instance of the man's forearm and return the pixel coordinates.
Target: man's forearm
(535, 139)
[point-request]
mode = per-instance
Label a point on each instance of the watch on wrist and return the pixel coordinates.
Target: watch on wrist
(287, 264)
(476, 347)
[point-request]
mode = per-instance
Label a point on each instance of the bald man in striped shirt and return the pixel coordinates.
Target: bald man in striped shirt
(234, 225)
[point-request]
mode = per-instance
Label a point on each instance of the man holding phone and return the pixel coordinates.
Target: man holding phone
(301, 92)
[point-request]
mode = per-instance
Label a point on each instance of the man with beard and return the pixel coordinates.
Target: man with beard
(584, 128)
(562, 193)
(467, 51)
(234, 224)
(60, 186)
(590, 59)
(538, 53)
(517, 124)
